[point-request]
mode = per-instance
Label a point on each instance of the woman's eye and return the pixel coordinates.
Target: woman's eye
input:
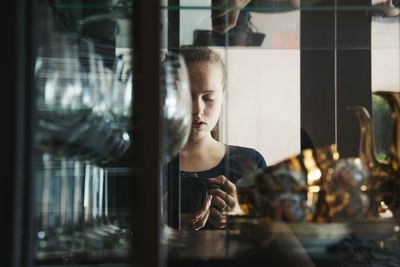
(208, 99)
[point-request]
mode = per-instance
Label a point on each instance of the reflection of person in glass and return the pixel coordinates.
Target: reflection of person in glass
(205, 157)
(225, 13)
(387, 8)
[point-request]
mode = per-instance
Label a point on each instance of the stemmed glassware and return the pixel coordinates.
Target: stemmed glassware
(84, 111)
(177, 105)
(80, 130)
(63, 103)
(121, 97)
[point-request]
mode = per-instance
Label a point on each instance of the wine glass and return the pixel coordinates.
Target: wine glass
(121, 91)
(176, 105)
(63, 102)
(55, 196)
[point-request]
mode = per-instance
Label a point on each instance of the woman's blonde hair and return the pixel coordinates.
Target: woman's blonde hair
(193, 55)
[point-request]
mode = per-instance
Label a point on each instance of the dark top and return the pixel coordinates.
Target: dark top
(237, 162)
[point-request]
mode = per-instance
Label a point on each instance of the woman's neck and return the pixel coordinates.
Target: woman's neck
(199, 144)
(201, 154)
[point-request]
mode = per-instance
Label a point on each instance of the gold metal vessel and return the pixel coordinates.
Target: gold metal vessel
(319, 186)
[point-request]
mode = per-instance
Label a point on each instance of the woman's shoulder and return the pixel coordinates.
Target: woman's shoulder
(242, 153)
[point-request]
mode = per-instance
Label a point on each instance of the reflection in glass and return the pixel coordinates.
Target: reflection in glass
(83, 127)
(177, 105)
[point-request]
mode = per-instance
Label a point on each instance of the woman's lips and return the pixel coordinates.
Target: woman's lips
(198, 124)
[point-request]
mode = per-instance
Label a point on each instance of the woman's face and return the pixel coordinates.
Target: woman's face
(206, 82)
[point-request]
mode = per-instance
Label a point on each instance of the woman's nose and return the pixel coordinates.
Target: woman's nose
(198, 106)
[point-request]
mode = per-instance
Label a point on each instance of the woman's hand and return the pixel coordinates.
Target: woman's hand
(225, 14)
(196, 220)
(223, 200)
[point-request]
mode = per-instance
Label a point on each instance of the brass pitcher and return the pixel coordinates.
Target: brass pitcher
(318, 186)
(393, 98)
(380, 183)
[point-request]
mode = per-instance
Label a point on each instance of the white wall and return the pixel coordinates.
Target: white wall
(262, 108)
(385, 55)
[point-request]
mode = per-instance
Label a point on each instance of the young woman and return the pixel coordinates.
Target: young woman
(205, 157)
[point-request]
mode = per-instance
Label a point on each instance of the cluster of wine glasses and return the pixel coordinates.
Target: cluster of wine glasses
(73, 214)
(83, 104)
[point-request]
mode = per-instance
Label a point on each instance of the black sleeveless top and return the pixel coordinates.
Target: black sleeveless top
(237, 162)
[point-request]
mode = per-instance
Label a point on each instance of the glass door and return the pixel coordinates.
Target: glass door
(298, 74)
(83, 92)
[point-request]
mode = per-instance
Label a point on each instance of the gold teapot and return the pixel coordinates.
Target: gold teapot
(379, 188)
(319, 186)
(393, 99)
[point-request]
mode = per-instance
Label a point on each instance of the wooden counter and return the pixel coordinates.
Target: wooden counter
(286, 245)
